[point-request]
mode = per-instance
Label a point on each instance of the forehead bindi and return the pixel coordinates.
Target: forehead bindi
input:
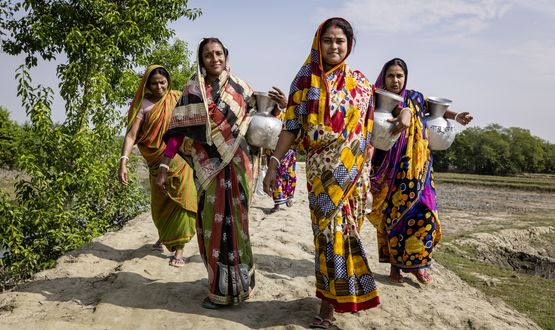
(212, 47)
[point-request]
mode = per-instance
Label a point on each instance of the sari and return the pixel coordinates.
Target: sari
(404, 209)
(286, 177)
(173, 213)
(332, 113)
(210, 123)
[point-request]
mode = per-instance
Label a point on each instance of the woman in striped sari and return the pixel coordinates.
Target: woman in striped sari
(329, 115)
(208, 127)
(404, 208)
(148, 118)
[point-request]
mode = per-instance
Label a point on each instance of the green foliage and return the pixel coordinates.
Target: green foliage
(175, 58)
(70, 192)
(497, 150)
(10, 136)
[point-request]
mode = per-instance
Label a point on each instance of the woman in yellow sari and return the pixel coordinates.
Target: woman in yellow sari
(329, 114)
(149, 115)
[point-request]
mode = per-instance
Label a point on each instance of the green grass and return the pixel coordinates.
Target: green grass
(543, 182)
(531, 295)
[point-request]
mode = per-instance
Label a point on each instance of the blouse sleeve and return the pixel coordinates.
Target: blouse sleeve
(173, 145)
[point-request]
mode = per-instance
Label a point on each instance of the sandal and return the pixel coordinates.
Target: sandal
(177, 262)
(158, 246)
(206, 303)
(321, 323)
(289, 203)
(423, 276)
(395, 277)
(274, 209)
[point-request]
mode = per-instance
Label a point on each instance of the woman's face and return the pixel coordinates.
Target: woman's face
(157, 85)
(333, 45)
(394, 79)
(213, 59)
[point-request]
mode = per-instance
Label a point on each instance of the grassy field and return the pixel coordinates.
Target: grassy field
(529, 294)
(539, 182)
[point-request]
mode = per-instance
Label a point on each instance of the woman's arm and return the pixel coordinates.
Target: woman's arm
(462, 118)
(128, 143)
(286, 139)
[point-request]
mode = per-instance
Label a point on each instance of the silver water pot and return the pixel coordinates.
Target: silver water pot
(264, 128)
(441, 132)
(385, 102)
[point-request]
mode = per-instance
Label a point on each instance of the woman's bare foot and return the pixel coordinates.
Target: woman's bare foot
(422, 276)
(395, 275)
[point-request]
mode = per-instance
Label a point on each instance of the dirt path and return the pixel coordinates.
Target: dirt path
(118, 282)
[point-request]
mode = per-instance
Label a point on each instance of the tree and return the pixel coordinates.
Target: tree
(71, 194)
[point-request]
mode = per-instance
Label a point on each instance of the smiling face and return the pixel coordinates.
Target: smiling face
(157, 85)
(394, 79)
(213, 59)
(333, 46)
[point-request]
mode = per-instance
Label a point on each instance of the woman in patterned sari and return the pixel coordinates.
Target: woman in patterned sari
(404, 209)
(329, 115)
(286, 177)
(208, 127)
(148, 118)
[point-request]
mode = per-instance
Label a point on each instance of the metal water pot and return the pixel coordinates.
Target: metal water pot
(264, 128)
(441, 132)
(385, 102)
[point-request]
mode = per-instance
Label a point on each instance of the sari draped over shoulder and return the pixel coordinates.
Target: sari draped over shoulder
(213, 119)
(174, 213)
(404, 208)
(332, 112)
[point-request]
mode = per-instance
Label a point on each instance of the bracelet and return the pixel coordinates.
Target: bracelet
(164, 166)
(455, 119)
(124, 157)
(277, 159)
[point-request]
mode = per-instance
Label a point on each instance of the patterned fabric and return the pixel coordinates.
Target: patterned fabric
(234, 100)
(334, 114)
(286, 177)
(404, 209)
(225, 168)
(174, 213)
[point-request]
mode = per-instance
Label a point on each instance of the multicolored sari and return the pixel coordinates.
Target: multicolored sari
(404, 209)
(286, 177)
(333, 114)
(174, 213)
(214, 118)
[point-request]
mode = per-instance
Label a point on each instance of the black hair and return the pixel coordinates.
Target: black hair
(399, 62)
(204, 42)
(160, 71)
(344, 25)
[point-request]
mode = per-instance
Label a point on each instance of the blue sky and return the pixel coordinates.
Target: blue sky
(493, 58)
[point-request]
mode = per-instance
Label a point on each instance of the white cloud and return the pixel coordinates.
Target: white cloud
(395, 16)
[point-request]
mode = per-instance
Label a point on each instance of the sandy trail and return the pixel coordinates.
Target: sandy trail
(118, 282)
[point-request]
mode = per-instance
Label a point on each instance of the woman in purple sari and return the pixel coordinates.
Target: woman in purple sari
(404, 209)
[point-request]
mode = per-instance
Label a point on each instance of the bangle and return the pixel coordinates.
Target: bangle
(277, 159)
(455, 119)
(164, 166)
(124, 157)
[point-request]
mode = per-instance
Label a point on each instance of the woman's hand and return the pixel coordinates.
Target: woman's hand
(463, 118)
(279, 97)
(122, 173)
(162, 180)
(269, 182)
(402, 121)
